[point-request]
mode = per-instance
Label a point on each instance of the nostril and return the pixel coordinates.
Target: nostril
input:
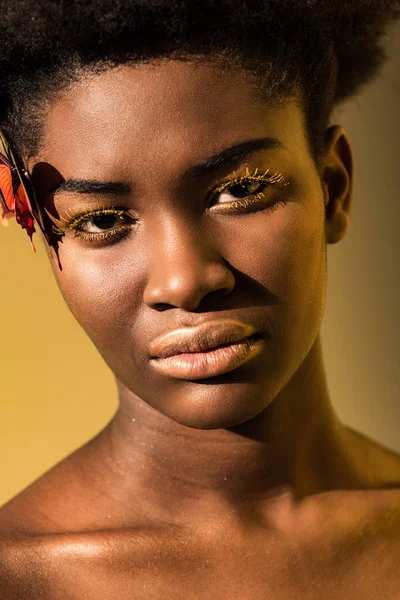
(161, 306)
(221, 292)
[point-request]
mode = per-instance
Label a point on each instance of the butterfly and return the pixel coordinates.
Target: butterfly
(16, 194)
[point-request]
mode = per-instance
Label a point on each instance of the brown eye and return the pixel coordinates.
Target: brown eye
(242, 190)
(101, 226)
(102, 221)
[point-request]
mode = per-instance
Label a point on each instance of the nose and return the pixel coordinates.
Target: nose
(185, 268)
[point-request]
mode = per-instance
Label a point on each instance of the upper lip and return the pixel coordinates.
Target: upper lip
(203, 337)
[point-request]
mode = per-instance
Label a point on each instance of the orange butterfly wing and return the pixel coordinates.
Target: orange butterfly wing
(14, 200)
(6, 189)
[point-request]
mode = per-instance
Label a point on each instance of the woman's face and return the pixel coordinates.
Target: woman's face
(185, 260)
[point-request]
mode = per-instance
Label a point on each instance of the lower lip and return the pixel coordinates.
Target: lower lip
(200, 365)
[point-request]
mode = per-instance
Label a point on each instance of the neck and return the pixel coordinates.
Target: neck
(294, 448)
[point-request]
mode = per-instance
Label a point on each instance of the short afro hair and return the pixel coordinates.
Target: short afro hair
(325, 49)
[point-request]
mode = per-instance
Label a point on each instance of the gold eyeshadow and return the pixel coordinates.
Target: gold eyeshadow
(249, 177)
(63, 224)
(74, 220)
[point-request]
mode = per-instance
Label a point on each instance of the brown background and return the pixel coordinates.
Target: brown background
(56, 392)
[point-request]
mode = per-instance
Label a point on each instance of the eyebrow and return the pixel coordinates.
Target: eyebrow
(88, 186)
(231, 156)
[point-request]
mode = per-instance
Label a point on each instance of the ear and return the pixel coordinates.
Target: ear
(337, 172)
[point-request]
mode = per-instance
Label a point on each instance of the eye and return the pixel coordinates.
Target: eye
(99, 223)
(240, 193)
(241, 190)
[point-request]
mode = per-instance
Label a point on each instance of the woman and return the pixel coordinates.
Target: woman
(182, 170)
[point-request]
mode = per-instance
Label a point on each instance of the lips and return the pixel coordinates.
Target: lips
(199, 339)
(212, 349)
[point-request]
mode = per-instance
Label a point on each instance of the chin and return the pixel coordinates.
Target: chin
(216, 403)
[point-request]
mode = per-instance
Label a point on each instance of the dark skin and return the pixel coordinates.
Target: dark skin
(246, 485)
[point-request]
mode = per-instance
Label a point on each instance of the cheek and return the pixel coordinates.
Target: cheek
(285, 252)
(98, 292)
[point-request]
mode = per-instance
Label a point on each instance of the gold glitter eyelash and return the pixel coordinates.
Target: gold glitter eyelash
(248, 177)
(72, 219)
(63, 224)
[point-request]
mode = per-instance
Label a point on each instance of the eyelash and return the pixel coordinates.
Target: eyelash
(78, 219)
(62, 226)
(251, 199)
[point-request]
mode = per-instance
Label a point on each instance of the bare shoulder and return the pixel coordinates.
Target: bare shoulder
(68, 497)
(353, 538)
(54, 542)
(357, 527)
(380, 464)
(56, 534)
(19, 576)
(26, 521)
(113, 563)
(370, 511)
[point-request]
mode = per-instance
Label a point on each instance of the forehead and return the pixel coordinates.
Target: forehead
(160, 112)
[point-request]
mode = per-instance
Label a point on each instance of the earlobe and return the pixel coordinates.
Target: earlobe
(337, 180)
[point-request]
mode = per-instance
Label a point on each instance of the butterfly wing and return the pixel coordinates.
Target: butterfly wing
(14, 200)
(7, 197)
